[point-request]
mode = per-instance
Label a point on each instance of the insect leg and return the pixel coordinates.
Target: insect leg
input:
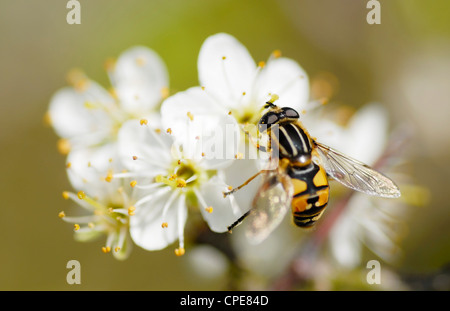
(237, 222)
(243, 185)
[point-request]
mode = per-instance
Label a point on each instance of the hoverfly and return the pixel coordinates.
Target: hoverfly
(300, 179)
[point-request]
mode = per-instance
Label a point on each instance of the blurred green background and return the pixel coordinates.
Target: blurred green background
(404, 63)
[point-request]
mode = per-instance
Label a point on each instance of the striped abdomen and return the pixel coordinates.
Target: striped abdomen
(311, 192)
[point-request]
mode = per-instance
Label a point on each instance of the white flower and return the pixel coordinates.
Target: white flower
(87, 115)
(233, 84)
(182, 175)
(366, 221)
(109, 201)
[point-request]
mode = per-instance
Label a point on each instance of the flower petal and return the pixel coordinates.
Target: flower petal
(226, 68)
(224, 210)
(139, 78)
(79, 113)
(205, 130)
(143, 149)
(146, 227)
(284, 77)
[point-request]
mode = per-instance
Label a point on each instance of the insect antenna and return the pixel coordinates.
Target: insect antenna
(237, 222)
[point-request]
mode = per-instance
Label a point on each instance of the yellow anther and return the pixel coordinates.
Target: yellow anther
(78, 79)
(303, 111)
(65, 195)
(164, 225)
(47, 119)
(131, 210)
(169, 130)
(230, 188)
(140, 61)
(62, 214)
(109, 176)
(276, 53)
(106, 249)
(209, 209)
(180, 251)
(244, 93)
(143, 121)
(68, 165)
(203, 88)
(158, 131)
(172, 177)
(239, 156)
(91, 225)
(203, 154)
(135, 157)
(76, 227)
(261, 64)
(63, 146)
(273, 98)
(229, 112)
(224, 57)
(165, 92)
(110, 64)
(110, 210)
(133, 183)
(179, 162)
(190, 116)
(181, 183)
(81, 195)
(117, 249)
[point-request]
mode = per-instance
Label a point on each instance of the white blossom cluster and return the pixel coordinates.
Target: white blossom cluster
(141, 160)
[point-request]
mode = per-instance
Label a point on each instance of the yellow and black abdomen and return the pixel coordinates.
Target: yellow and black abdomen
(311, 192)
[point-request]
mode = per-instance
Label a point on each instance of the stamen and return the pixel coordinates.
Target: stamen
(133, 183)
(109, 177)
(165, 92)
(76, 227)
(106, 249)
(190, 116)
(68, 165)
(63, 146)
(143, 121)
(209, 209)
(65, 195)
(169, 131)
(180, 251)
(276, 53)
(131, 210)
(117, 249)
(164, 225)
(261, 64)
(61, 214)
(110, 64)
(81, 195)
(135, 158)
(181, 183)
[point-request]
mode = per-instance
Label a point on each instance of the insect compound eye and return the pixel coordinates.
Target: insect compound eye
(290, 113)
(267, 120)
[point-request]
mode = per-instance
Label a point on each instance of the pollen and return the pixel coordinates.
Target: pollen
(190, 116)
(203, 154)
(143, 121)
(81, 195)
(117, 249)
(140, 61)
(164, 92)
(109, 177)
(110, 64)
(135, 158)
(65, 195)
(164, 225)
(133, 183)
(61, 214)
(244, 93)
(131, 210)
(262, 64)
(181, 183)
(224, 57)
(63, 146)
(209, 209)
(76, 227)
(276, 53)
(180, 251)
(169, 131)
(229, 113)
(106, 249)
(230, 188)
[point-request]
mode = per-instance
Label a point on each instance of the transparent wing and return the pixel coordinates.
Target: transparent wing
(270, 205)
(355, 174)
